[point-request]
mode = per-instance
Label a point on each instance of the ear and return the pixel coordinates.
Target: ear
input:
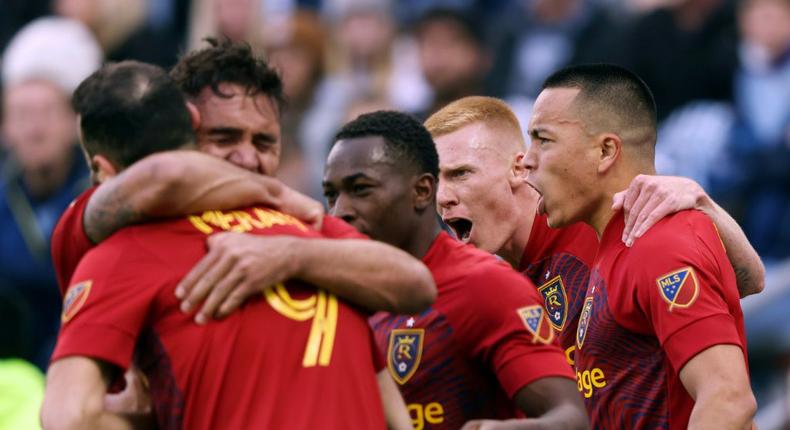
(425, 192)
(194, 115)
(518, 172)
(610, 147)
(103, 168)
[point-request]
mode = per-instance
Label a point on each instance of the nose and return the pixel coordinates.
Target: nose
(343, 209)
(445, 196)
(245, 156)
(530, 160)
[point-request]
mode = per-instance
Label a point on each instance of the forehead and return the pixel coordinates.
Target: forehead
(238, 110)
(365, 155)
(471, 144)
(553, 108)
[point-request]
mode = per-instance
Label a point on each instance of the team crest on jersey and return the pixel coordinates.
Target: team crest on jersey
(534, 318)
(404, 353)
(679, 288)
(555, 300)
(74, 299)
(584, 321)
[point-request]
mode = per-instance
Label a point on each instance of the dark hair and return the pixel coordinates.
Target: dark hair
(405, 137)
(129, 110)
(618, 90)
(230, 62)
(469, 26)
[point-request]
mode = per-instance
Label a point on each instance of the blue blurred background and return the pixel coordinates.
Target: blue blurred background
(719, 69)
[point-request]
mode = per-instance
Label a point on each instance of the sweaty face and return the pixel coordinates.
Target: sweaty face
(243, 129)
(561, 159)
(474, 195)
(366, 188)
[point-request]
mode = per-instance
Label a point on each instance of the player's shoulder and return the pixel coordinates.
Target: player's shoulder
(675, 231)
(335, 228)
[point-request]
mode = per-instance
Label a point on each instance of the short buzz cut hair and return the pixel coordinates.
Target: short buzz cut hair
(405, 138)
(129, 110)
(611, 96)
(470, 110)
(229, 62)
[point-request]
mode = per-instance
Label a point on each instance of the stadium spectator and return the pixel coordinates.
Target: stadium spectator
(44, 169)
(756, 181)
(453, 56)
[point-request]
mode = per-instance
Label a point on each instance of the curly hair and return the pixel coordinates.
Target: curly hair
(226, 61)
(405, 137)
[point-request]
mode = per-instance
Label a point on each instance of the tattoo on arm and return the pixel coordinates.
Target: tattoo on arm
(744, 280)
(108, 213)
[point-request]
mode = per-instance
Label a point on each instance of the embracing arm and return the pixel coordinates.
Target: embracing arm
(370, 274)
(551, 403)
(176, 183)
(718, 382)
(650, 198)
(394, 407)
(74, 397)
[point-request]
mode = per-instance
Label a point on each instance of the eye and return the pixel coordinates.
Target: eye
(460, 173)
(360, 189)
(330, 196)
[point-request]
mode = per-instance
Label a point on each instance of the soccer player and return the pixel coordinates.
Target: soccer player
(485, 349)
(481, 148)
(660, 341)
(121, 303)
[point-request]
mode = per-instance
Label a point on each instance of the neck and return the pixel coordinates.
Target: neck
(513, 249)
(45, 179)
(602, 211)
(423, 235)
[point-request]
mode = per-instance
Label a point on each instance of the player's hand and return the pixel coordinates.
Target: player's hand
(304, 208)
(236, 267)
(135, 399)
(495, 425)
(650, 198)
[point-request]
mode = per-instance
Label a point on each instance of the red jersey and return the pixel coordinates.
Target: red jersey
(558, 260)
(484, 339)
(648, 310)
(70, 242)
(295, 358)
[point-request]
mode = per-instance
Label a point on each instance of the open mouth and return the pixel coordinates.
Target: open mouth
(462, 228)
(541, 201)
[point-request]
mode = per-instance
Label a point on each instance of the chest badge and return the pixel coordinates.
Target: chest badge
(555, 299)
(404, 353)
(584, 321)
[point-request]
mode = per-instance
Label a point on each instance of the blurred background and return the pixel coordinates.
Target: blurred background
(719, 69)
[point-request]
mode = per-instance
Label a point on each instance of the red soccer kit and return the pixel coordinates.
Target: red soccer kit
(294, 358)
(70, 242)
(558, 260)
(484, 339)
(648, 311)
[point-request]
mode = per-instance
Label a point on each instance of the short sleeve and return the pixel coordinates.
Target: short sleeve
(107, 303)
(688, 294)
(69, 240)
(335, 228)
(508, 329)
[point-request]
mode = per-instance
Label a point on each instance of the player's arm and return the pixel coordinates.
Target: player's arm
(650, 198)
(717, 380)
(370, 274)
(177, 183)
(74, 397)
(394, 407)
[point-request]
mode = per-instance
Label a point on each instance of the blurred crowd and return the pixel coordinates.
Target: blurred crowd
(719, 69)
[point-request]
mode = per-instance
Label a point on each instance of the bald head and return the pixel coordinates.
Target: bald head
(612, 100)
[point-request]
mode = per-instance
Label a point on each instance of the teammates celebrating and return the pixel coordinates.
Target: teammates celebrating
(640, 294)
